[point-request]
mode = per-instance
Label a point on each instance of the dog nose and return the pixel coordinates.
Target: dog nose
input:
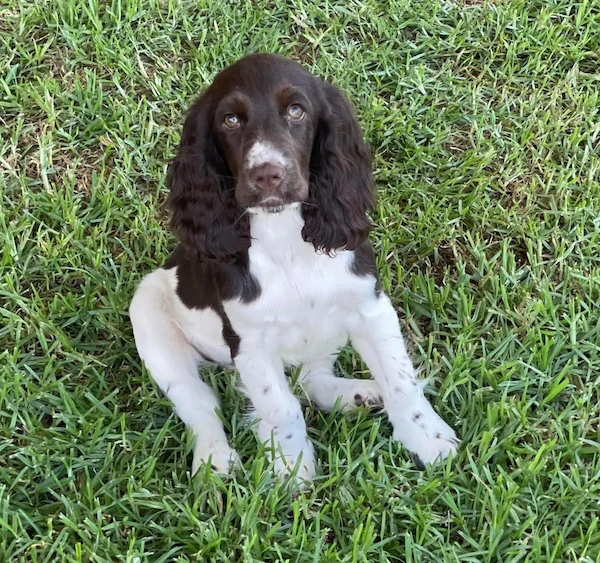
(267, 176)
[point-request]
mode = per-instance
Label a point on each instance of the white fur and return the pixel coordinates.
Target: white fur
(310, 305)
(265, 153)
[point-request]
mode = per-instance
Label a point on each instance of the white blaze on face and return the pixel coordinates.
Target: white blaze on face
(264, 153)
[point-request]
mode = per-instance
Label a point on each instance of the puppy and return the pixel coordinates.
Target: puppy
(269, 194)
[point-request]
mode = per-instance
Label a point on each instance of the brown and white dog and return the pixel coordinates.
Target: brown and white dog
(269, 194)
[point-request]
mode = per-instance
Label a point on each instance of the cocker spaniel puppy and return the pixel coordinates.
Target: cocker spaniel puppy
(269, 194)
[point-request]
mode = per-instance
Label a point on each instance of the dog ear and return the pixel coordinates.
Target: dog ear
(341, 189)
(204, 212)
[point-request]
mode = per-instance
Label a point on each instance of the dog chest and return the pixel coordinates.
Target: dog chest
(304, 304)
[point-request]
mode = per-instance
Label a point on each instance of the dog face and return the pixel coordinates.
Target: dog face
(265, 123)
(267, 134)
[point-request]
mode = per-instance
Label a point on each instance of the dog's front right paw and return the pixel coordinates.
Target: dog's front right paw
(292, 453)
(219, 455)
(300, 466)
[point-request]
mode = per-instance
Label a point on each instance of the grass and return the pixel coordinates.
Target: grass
(484, 123)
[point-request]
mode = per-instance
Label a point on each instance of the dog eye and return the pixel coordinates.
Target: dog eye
(295, 112)
(231, 121)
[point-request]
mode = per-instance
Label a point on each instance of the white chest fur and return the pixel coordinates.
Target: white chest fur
(307, 298)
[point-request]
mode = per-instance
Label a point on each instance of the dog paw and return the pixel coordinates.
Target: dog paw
(348, 395)
(364, 393)
(219, 455)
(292, 453)
(301, 470)
(427, 437)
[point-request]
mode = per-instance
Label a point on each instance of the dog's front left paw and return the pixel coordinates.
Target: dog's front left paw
(426, 436)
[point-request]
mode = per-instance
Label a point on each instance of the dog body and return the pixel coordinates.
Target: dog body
(269, 194)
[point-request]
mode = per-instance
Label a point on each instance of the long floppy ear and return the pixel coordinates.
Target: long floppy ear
(341, 189)
(204, 212)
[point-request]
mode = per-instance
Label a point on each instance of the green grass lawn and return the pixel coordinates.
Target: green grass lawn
(484, 123)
